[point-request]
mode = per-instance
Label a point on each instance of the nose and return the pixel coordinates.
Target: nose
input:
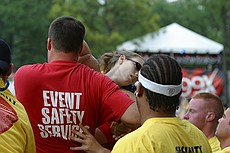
(186, 116)
(219, 119)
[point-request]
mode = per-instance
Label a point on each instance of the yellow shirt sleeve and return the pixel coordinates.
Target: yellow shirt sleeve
(17, 135)
(215, 144)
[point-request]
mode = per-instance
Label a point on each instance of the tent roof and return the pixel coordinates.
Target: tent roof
(173, 38)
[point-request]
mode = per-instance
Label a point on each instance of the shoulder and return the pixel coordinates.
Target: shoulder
(225, 150)
(26, 68)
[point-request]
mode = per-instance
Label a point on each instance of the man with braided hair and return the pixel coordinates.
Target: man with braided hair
(157, 97)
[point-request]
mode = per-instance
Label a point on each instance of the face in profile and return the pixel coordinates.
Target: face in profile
(129, 70)
(223, 128)
(196, 112)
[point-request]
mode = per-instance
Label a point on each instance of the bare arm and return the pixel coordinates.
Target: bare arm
(131, 117)
(87, 58)
(100, 136)
(128, 122)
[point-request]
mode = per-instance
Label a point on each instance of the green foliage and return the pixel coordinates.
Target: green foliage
(110, 23)
(24, 24)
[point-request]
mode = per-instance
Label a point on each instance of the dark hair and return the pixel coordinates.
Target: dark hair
(5, 72)
(66, 34)
(164, 70)
(5, 58)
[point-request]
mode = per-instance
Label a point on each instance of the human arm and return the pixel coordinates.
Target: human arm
(131, 117)
(111, 131)
(107, 132)
(119, 129)
(88, 141)
(116, 106)
(87, 58)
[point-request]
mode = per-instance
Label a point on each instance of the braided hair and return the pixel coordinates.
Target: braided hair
(164, 70)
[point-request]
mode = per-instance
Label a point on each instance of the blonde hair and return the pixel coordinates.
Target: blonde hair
(108, 60)
(217, 104)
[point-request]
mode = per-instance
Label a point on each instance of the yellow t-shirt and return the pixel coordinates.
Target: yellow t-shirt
(225, 150)
(164, 135)
(16, 134)
(215, 144)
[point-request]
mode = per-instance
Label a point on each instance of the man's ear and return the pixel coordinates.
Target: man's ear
(49, 44)
(210, 116)
(140, 90)
(81, 49)
(10, 69)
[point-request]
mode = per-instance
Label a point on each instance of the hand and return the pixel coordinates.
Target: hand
(119, 130)
(87, 58)
(89, 143)
(84, 58)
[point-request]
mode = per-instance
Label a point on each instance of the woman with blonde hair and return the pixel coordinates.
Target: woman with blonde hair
(122, 67)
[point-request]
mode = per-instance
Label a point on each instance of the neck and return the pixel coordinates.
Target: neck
(209, 134)
(114, 78)
(209, 130)
(224, 143)
(147, 114)
(112, 74)
(54, 55)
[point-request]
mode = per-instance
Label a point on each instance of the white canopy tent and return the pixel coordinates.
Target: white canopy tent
(173, 38)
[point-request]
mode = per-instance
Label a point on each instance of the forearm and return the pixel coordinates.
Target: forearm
(86, 57)
(104, 150)
(100, 136)
(92, 63)
(131, 117)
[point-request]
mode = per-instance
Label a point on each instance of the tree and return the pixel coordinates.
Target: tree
(23, 24)
(110, 22)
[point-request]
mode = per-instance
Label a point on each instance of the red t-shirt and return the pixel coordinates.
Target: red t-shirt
(61, 94)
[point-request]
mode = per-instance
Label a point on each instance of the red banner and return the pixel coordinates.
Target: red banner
(196, 80)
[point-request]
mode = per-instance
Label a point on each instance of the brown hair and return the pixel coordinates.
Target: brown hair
(108, 60)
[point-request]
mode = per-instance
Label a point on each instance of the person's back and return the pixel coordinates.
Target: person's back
(62, 93)
(62, 98)
(163, 135)
(16, 134)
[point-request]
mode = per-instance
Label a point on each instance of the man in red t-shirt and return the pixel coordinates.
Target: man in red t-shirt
(62, 93)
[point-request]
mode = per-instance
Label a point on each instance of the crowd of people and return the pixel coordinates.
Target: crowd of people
(119, 103)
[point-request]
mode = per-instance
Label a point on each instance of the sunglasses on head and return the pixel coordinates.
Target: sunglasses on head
(138, 65)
